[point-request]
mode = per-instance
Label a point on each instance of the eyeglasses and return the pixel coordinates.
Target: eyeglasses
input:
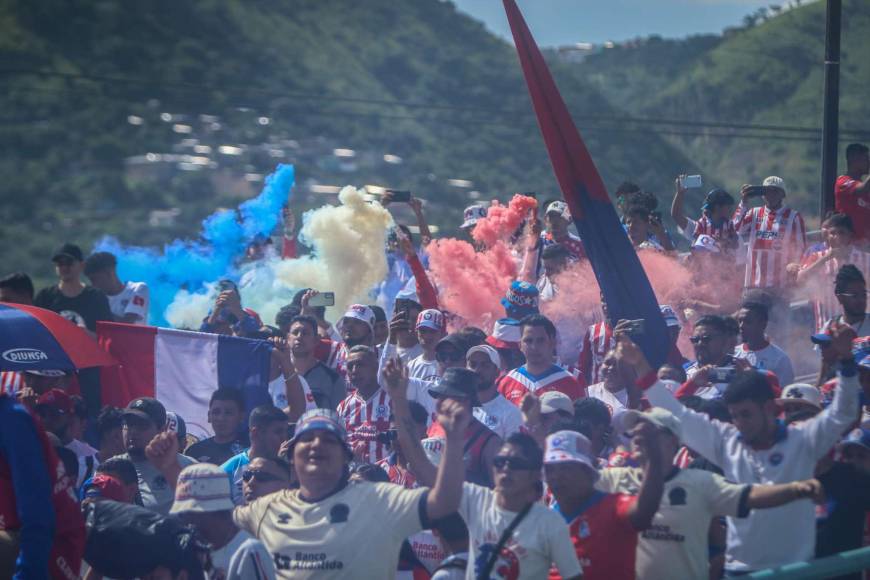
(703, 339)
(852, 294)
(260, 476)
(513, 463)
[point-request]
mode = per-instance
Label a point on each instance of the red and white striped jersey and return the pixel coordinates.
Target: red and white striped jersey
(825, 305)
(333, 354)
(398, 475)
(519, 382)
(597, 342)
(365, 419)
(775, 238)
(725, 233)
(10, 382)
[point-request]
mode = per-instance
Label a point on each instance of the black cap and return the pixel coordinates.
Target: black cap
(148, 409)
(455, 340)
(70, 251)
(457, 383)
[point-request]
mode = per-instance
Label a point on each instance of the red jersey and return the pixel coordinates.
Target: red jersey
(825, 305)
(333, 354)
(855, 205)
(775, 239)
(597, 342)
(398, 475)
(365, 419)
(519, 382)
(603, 537)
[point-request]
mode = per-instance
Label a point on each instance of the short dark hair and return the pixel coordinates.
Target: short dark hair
(266, 414)
(839, 220)
(681, 372)
(718, 197)
(304, 319)
(472, 335)
(627, 187)
(732, 327)
(371, 472)
(636, 209)
(715, 322)
(715, 409)
(80, 408)
(99, 261)
(282, 465)
(538, 320)
(528, 446)
(451, 528)
(555, 252)
(120, 467)
(748, 386)
(419, 414)
(18, 282)
(756, 308)
(228, 394)
(285, 316)
(855, 149)
(365, 349)
(109, 419)
(590, 410)
(846, 275)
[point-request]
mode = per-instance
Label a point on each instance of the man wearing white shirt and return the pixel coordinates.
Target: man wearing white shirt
(128, 301)
(757, 349)
(758, 449)
(430, 329)
(616, 386)
(494, 411)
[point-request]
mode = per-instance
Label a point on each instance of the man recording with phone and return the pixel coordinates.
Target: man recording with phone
(716, 212)
(227, 316)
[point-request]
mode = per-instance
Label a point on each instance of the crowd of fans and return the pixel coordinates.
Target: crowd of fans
(411, 445)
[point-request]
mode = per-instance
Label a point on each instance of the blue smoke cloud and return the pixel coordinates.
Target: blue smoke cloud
(191, 264)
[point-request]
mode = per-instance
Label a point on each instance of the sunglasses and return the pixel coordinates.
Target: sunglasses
(704, 339)
(260, 476)
(513, 463)
(852, 295)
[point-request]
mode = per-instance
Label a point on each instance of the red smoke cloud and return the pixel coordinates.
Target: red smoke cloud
(501, 222)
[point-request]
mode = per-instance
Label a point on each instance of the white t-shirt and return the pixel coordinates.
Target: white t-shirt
(355, 533)
(425, 370)
(675, 544)
(133, 299)
(221, 557)
(500, 415)
(279, 396)
(615, 402)
(770, 358)
(540, 539)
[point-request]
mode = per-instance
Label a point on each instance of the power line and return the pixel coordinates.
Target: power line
(200, 88)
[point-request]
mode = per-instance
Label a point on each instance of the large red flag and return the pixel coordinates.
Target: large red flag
(620, 275)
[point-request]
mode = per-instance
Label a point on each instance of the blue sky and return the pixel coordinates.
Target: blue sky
(555, 22)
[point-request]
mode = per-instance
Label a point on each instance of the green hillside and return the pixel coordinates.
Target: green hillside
(117, 115)
(769, 72)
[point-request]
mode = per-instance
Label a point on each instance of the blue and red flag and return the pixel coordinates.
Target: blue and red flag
(620, 275)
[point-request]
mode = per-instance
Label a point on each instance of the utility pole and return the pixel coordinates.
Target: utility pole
(831, 115)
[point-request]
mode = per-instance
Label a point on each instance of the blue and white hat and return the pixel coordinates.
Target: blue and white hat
(569, 447)
(521, 295)
(472, 214)
(670, 316)
(323, 419)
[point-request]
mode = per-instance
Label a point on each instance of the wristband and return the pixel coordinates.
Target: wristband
(646, 381)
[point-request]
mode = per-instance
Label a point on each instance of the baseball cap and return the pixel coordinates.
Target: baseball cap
(149, 409)
(505, 334)
(68, 251)
(822, 339)
(802, 393)
(705, 243)
(670, 316)
(360, 312)
(861, 350)
(553, 401)
(569, 447)
(472, 214)
(56, 399)
(323, 419)
(202, 487)
(175, 423)
(490, 352)
(559, 207)
(859, 437)
(657, 416)
(431, 318)
(774, 181)
(456, 382)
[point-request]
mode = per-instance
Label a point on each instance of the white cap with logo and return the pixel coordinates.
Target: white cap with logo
(802, 393)
(202, 487)
(569, 447)
(360, 312)
(774, 181)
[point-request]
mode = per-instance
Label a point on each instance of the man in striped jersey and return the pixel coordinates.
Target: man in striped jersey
(775, 235)
(819, 268)
(540, 374)
(852, 190)
(715, 220)
(366, 410)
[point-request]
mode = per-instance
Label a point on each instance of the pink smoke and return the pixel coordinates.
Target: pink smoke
(501, 222)
(471, 283)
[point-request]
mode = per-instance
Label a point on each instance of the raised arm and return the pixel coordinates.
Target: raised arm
(395, 376)
(425, 235)
(426, 293)
(651, 488)
(677, 205)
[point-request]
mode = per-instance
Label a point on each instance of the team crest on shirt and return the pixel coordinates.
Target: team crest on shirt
(74, 317)
(506, 567)
(677, 496)
(584, 530)
(159, 483)
(382, 412)
(776, 458)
